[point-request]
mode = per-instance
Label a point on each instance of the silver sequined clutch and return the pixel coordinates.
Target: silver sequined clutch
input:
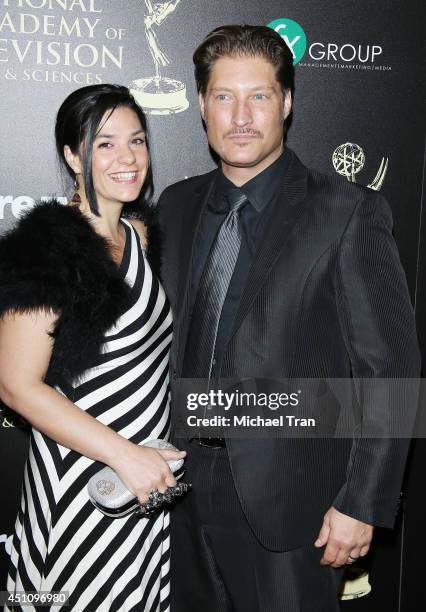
(108, 493)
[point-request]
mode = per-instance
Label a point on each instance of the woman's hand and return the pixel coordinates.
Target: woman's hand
(143, 469)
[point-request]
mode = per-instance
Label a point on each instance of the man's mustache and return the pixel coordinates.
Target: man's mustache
(239, 131)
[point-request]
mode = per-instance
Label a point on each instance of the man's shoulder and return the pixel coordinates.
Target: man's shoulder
(328, 189)
(336, 185)
(337, 192)
(188, 185)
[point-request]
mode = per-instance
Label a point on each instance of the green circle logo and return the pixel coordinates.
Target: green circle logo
(292, 34)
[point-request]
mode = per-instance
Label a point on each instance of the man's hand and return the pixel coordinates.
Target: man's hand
(346, 538)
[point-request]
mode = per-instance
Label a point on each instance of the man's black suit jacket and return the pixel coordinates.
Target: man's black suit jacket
(326, 297)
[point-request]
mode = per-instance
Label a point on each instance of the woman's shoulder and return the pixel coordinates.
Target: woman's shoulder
(52, 251)
(43, 226)
(53, 230)
(53, 259)
(31, 274)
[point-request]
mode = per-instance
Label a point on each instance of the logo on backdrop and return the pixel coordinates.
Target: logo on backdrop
(327, 54)
(348, 159)
(7, 423)
(6, 420)
(18, 205)
(159, 95)
(61, 42)
(293, 35)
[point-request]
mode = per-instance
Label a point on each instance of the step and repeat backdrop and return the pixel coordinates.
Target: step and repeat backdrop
(357, 110)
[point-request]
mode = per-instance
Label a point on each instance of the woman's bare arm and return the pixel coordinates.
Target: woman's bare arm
(25, 351)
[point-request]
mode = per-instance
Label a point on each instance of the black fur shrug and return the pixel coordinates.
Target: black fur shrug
(54, 260)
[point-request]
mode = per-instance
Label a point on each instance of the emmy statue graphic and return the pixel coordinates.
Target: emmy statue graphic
(159, 95)
(348, 159)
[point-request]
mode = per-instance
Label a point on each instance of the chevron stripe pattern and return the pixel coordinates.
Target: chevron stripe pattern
(63, 543)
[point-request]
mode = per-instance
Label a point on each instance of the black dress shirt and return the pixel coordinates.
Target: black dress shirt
(262, 192)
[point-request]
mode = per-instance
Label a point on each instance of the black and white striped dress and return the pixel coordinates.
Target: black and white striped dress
(62, 543)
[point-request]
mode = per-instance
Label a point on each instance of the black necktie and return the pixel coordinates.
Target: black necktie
(212, 290)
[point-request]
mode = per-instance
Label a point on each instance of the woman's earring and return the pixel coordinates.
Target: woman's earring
(76, 199)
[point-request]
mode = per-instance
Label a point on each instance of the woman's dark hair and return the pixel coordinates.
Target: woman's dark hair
(78, 121)
(244, 40)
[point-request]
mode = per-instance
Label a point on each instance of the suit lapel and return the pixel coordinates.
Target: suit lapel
(197, 200)
(287, 209)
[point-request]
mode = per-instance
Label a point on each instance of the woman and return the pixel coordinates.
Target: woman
(84, 340)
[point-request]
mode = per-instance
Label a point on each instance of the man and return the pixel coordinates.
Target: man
(275, 271)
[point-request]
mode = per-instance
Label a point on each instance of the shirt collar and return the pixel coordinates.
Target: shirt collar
(260, 190)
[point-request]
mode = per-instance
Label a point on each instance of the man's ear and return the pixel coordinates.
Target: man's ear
(202, 102)
(287, 103)
(73, 160)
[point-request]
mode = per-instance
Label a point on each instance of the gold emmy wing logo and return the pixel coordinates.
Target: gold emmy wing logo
(349, 159)
(159, 95)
